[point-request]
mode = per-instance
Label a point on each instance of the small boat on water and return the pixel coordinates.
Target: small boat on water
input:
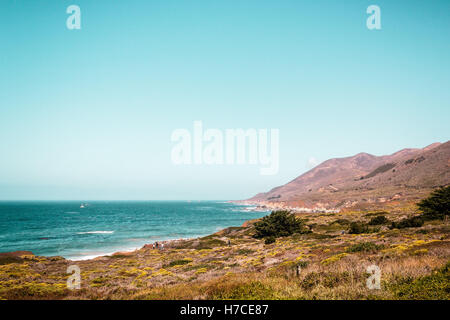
(82, 206)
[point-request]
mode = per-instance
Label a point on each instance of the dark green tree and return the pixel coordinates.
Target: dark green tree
(357, 228)
(413, 222)
(437, 205)
(378, 220)
(278, 224)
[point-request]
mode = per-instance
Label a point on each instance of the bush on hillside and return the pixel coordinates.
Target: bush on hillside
(357, 228)
(269, 240)
(434, 286)
(437, 205)
(341, 222)
(365, 247)
(378, 220)
(278, 224)
(413, 222)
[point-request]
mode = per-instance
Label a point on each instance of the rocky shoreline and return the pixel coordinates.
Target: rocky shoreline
(274, 206)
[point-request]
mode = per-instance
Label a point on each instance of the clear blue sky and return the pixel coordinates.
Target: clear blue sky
(87, 114)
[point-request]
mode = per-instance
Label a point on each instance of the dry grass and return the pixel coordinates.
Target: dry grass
(248, 269)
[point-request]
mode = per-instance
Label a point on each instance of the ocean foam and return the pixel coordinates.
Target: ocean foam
(96, 254)
(96, 232)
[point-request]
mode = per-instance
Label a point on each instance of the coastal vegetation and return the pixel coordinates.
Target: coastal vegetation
(378, 220)
(437, 205)
(413, 222)
(281, 223)
(309, 256)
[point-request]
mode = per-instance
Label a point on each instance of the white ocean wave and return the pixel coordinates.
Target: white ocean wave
(96, 232)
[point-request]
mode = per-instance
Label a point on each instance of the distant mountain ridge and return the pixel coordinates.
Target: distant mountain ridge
(365, 178)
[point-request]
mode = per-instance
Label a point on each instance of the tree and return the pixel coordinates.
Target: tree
(437, 205)
(413, 222)
(357, 228)
(378, 220)
(278, 224)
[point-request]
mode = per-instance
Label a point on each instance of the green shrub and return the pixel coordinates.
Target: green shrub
(177, 263)
(365, 247)
(319, 236)
(269, 240)
(341, 222)
(357, 228)
(245, 251)
(376, 213)
(378, 220)
(210, 243)
(34, 290)
(413, 222)
(437, 205)
(278, 224)
(99, 282)
(432, 287)
(118, 256)
(199, 266)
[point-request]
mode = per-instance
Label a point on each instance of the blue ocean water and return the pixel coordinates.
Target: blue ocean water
(100, 228)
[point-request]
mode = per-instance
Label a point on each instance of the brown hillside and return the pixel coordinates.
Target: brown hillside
(365, 178)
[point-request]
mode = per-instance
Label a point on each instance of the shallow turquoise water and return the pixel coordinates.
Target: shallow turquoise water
(65, 229)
